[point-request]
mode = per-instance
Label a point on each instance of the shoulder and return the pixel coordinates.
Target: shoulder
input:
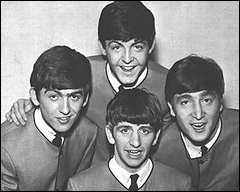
(157, 68)
(171, 131)
(89, 177)
(98, 64)
(86, 125)
(232, 114)
(94, 171)
(170, 178)
(230, 119)
(230, 126)
(11, 130)
(163, 169)
(97, 59)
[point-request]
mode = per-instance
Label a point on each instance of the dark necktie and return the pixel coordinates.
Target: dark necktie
(120, 88)
(134, 186)
(204, 150)
(57, 141)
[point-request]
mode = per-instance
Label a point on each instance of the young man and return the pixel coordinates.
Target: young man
(194, 91)
(133, 126)
(126, 33)
(56, 141)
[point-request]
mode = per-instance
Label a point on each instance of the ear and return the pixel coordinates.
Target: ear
(108, 131)
(221, 105)
(86, 100)
(33, 96)
(151, 49)
(156, 137)
(101, 48)
(171, 109)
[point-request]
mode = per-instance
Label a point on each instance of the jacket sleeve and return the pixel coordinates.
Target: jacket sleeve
(9, 179)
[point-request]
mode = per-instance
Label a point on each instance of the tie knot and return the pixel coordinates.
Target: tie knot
(57, 141)
(204, 150)
(134, 186)
(120, 88)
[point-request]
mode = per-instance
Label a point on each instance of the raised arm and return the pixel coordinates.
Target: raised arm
(17, 113)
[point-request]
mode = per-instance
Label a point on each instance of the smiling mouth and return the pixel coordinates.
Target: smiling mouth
(134, 153)
(198, 127)
(127, 68)
(64, 120)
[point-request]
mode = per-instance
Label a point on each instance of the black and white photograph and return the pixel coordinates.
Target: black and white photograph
(119, 95)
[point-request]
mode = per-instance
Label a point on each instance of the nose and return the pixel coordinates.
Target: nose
(127, 57)
(135, 140)
(65, 108)
(198, 111)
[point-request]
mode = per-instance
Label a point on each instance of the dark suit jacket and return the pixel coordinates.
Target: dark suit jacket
(102, 93)
(30, 162)
(218, 170)
(100, 178)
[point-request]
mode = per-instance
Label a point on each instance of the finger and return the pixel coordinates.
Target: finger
(7, 116)
(28, 105)
(20, 107)
(13, 116)
(17, 114)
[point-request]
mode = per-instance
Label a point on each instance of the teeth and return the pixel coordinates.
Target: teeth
(64, 119)
(198, 124)
(134, 152)
(127, 68)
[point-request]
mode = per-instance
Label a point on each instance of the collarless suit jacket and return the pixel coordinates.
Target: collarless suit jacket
(29, 162)
(218, 170)
(100, 178)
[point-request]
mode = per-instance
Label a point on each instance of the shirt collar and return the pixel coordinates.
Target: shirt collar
(195, 151)
(124, 176)
(115, 83)
(43, 127)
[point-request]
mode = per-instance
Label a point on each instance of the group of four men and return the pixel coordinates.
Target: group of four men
(120, 114)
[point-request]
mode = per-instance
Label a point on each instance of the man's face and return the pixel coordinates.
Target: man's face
(127, 59)
(197, 114)
(132, 144)
(61, 108)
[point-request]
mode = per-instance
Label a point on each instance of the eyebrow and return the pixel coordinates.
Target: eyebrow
(134, 43)
(187, 95)
(129, 127)
(73, 93)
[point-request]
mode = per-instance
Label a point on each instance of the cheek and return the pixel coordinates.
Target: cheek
(76, 107)
(148, 142)
(183, 122)
(113, 58)
(142, 58)
(48, 107)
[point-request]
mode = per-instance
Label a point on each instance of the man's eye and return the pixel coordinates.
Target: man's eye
(53, 97)
(145, 131)
(75, 97)
(124, 131)
(184, 102)
(116, 47)
(138, 47)
(207, 100)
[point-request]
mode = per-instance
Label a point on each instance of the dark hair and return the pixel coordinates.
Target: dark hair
(135, 106)
(61, 67)
(192, 74)
(126, 20)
